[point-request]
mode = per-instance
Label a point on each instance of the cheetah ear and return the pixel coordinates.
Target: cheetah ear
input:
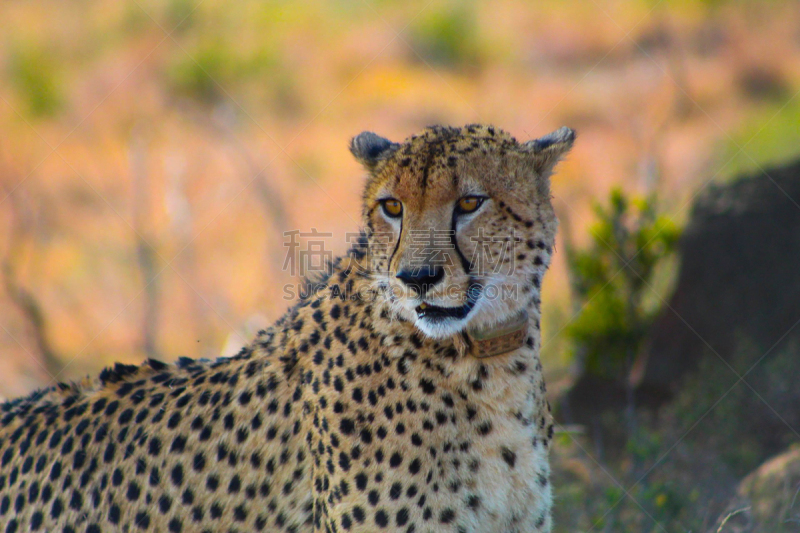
(370, 149)
(547, 150)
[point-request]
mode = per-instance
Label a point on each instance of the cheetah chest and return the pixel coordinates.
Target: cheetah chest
(511, 491)
(439, 462)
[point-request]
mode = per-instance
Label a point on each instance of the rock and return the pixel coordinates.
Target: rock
(767, 500)
(739, 280)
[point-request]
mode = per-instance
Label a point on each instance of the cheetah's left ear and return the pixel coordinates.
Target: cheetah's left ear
(547, 150)
(370, 149)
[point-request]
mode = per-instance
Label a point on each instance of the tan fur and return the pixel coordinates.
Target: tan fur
(343, 416)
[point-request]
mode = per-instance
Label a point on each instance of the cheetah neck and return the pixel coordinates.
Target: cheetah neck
(500, 339)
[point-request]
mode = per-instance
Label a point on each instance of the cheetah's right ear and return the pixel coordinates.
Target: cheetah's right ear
(547, 150)
(370, 149)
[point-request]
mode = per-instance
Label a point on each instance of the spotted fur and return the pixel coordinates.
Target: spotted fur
(346, 415)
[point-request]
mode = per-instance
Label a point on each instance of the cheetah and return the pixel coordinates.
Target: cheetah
(403, 393)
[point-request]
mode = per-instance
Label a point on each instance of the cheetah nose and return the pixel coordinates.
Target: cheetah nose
(421, 279)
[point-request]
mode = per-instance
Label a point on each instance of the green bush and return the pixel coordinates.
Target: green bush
(448, 36)
(33, 74)
(208, 71)
(762, 142)
(612, 281)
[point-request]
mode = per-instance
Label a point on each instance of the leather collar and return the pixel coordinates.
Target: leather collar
(503, 338)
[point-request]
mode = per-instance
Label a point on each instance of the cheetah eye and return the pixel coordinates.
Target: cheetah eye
(392, 207)
(469, 204)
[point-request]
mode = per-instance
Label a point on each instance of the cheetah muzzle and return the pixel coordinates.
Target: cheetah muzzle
(405, 393)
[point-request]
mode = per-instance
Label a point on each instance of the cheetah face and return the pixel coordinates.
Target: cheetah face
(459, 223)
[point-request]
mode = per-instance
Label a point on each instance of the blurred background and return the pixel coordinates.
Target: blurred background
(153, 153)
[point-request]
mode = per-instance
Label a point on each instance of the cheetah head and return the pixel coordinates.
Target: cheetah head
(460, 226)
